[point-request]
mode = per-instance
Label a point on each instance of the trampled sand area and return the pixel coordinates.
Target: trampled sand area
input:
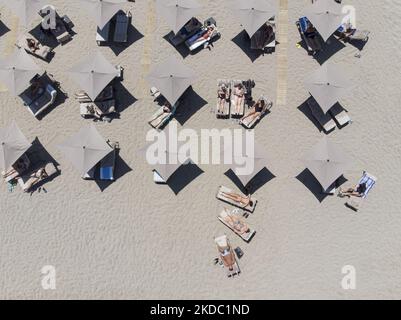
(139, 240)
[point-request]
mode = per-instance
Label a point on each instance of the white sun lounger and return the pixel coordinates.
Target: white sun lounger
(224, 248)
(340, 115)
(220, 195)
(355, 203)
(250, 124)
(241, 110)
(324, 120)
(226, 111)
(167, 116)
(225, 215)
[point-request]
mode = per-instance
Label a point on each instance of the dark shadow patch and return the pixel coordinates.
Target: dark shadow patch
(45, 37)
(190, 104)
(133, 36)
(124, 98)
(243, 41)
(330, 48)
(304, 108)
(358, 44)
(182, 49)
(258, 181)
(3, 29)
(183, 177)
(310, 182)
(121, 169)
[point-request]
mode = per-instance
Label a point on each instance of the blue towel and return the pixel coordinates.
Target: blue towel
(304, 24)
(106, 173)
(369, 182)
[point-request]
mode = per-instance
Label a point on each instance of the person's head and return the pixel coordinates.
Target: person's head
(262, 103)
(361, 188)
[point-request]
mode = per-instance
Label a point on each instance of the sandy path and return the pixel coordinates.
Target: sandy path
(282, 64)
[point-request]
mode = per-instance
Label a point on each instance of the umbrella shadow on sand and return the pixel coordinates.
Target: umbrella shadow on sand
(263, 177)
(182, 49)
(310, 182)
(191, 104)
(121, 169)
(329, 49)
(133, 36)
(243, 41)
(3, 29)
(183, 177)
(124, 98)
(39, 156)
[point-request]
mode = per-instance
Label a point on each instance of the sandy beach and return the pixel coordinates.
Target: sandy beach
(134, 239)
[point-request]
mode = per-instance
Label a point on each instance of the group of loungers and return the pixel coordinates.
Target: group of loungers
(196, 35)
(234, 96)
(28, 174)
(337, 116)
(235, 220)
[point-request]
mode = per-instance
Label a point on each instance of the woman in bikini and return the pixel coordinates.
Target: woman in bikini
(223, 96)
(358, 191)
(161, 116)
(239, 96)
(236, 223)
(242, 200)
(255, 112)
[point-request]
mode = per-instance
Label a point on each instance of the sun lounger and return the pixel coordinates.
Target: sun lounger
(324, 119)
(237, 102)
(265, 38)
(97, 109)
(249, 124)
(27, 182)
(312, 39)
(38, 50)
(229, 218)
(186, 32)
(108, 163)
(40, 95)
(223, 99)
(121, 27)
(102, 35)
(355, 203)
(200, 38)
(17, 169)
(221, 195)
(340, 115)
(227, 256)
(161, 118)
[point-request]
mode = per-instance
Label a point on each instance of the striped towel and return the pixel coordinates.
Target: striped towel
(369, 181)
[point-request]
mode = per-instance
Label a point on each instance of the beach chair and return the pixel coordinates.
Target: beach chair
(229, 218)
(223, 99)
(45, 172)
(200, 39)
(122, 21)
(160, 118)
(250, 123)
(340, 115)
(38, 50)
(186, 32)
(17, 169)
(103, 35)
(312, 39)
(325, 121)
(265, 38)
(355, 203)
(108, 163)
(40, 95)
(237, 100)
(222, 195)
(227, 256)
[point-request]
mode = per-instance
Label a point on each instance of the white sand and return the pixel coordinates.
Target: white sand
(139, 240)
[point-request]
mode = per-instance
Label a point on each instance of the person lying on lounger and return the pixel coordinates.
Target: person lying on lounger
(245, 201)
(228, 258)
(32, 44)
(239, 97)
(255, 112)
(205, 36)
(358, 191)
(236, 223)
(161, 116)
(223, 96)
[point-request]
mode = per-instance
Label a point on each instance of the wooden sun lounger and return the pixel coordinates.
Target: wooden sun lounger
(340, 115)
(326, 122)
(220, 196)
(224, 245)
(241, 110)
(355, 203)
(227, 100)
(27, 182)
(224, 215)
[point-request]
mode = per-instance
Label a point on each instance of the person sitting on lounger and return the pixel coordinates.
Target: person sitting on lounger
(223, 96)
(255, 112)
(239, 97)
(161, 116)
(32, 44)
(358, 191)
(245, 201)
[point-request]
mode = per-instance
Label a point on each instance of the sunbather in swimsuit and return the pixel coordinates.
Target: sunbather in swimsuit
(255, 112)
(161, 116)
(236, 223)
(205, 36)
(32, 44)
(239, 97)
(227, 256)
(223, 97)
(359, 191)
(244, 201)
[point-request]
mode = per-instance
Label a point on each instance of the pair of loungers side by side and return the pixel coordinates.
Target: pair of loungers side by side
(336, 116)
(40, 95)
(160, 118)
(355, 203)
(106, 167)
(116, 30)
(227, 256)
